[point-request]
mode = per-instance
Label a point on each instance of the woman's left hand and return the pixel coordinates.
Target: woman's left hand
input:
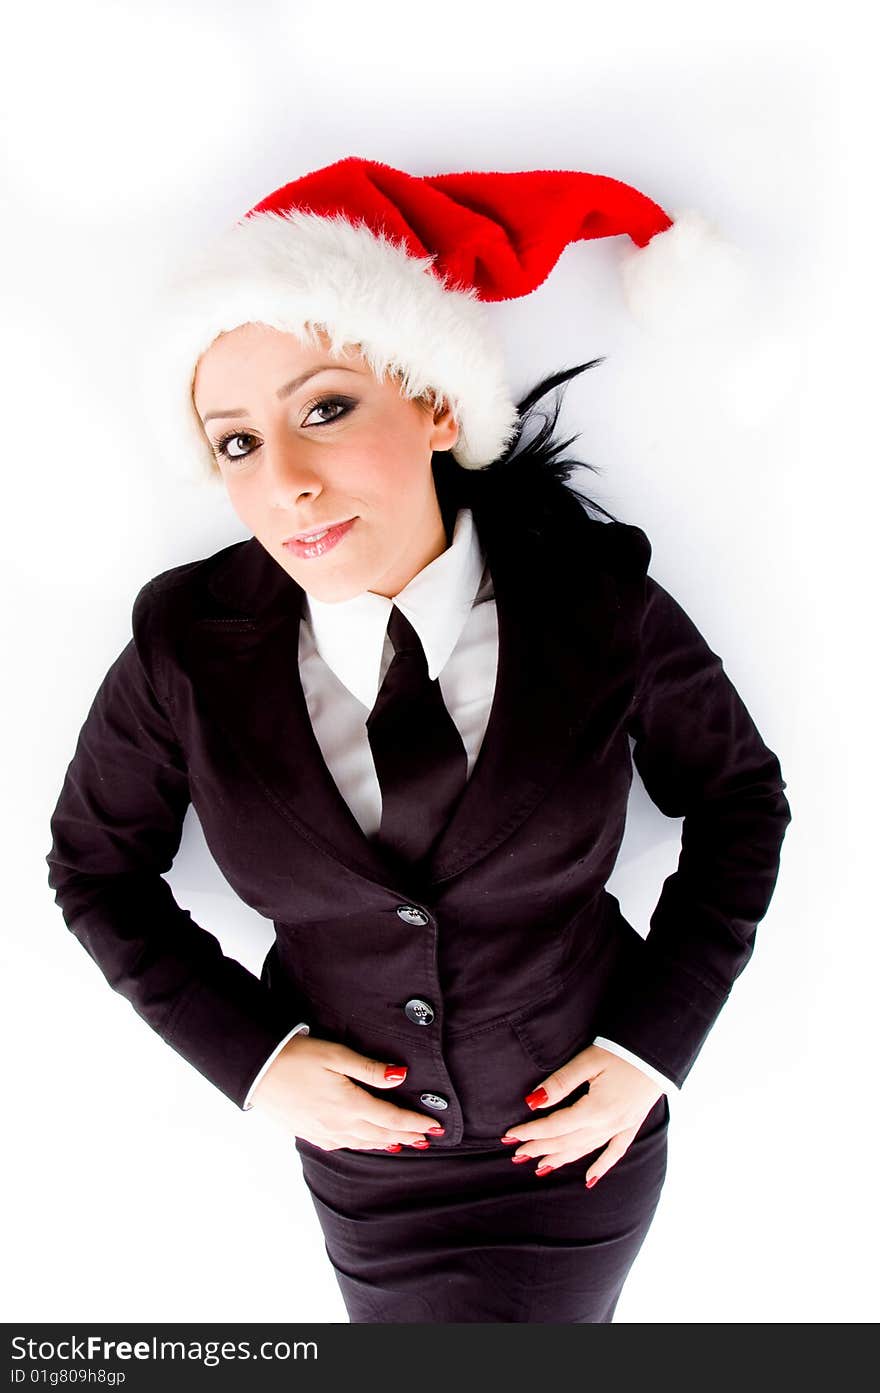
(621, 1096)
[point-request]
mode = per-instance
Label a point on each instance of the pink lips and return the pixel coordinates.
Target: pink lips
(330, 539)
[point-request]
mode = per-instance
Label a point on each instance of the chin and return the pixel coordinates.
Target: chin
(333, 591)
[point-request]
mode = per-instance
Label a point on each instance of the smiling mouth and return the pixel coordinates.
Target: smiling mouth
(317, 533)
(314, 544)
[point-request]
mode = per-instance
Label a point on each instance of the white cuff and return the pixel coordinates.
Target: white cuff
(666, 1084)
(247, 1104)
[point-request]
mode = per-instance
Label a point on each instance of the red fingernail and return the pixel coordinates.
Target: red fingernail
(518, 1160)
(395, 1146)
(396, 1072)
(543, 1170)
(437, 1131)
(537, 1099)
(420, 1144)
(511, 1141)
(591, 1182)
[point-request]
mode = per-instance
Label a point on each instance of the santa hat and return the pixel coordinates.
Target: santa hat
(404, 266)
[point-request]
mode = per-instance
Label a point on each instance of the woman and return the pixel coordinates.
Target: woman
(402, 711)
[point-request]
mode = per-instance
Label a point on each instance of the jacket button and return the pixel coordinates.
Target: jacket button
(411, 914)
(418, 1011)
(433, 1100)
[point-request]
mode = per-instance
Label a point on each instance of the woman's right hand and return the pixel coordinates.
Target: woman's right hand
(309, 1089)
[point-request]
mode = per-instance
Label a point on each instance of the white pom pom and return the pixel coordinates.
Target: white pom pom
(689, 281)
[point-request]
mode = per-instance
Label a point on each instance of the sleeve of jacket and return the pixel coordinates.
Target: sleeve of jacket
(115, 829)
(701, 758)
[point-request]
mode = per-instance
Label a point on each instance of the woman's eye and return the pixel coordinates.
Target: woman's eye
(339, 404)
(223, 445)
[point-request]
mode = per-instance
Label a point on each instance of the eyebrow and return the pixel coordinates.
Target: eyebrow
(285, 391)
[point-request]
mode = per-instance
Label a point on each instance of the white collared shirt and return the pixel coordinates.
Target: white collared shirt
(345, 652)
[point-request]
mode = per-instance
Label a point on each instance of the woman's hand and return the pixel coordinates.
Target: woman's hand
(621, 1096)
(308, 1089)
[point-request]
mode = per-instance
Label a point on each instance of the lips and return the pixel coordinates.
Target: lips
(313, 532)
(321, 542)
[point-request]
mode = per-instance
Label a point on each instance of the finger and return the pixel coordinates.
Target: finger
(559, 1150)
(331, 1141)
(352, 1141)
(541, 1152)
(349, 1136)
(554, 1149)
(378, 1073)
(562, 1121)
(617, 1147)
(355, 1142)
(390, 1115)
(585, 1066)
(382, 1136)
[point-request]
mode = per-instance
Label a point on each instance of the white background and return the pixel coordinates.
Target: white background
(134, 1190)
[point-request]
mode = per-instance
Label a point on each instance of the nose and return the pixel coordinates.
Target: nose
(291, 475)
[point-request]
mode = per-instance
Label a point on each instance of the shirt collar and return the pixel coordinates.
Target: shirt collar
(350, 634)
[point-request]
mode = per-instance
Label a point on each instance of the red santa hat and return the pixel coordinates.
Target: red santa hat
(404, 266)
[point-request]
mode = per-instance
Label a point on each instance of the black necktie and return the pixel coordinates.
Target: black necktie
(420, 760)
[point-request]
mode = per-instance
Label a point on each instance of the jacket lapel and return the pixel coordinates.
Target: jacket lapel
(245, 654)
(556, 623)
(557, 611)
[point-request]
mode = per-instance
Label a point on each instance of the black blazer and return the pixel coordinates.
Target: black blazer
(506, 955)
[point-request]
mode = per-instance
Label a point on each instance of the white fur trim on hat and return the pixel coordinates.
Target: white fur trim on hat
(688, 280)
(298, 270)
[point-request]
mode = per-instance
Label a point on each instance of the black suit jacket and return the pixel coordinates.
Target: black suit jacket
(508, 934)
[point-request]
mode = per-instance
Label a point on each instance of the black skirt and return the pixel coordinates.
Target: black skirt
(469, 1236)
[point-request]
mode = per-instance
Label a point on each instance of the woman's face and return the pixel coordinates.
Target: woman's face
(338, 446)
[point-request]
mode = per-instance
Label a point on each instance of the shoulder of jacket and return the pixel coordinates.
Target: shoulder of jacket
(174, 591)
(623, 546)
